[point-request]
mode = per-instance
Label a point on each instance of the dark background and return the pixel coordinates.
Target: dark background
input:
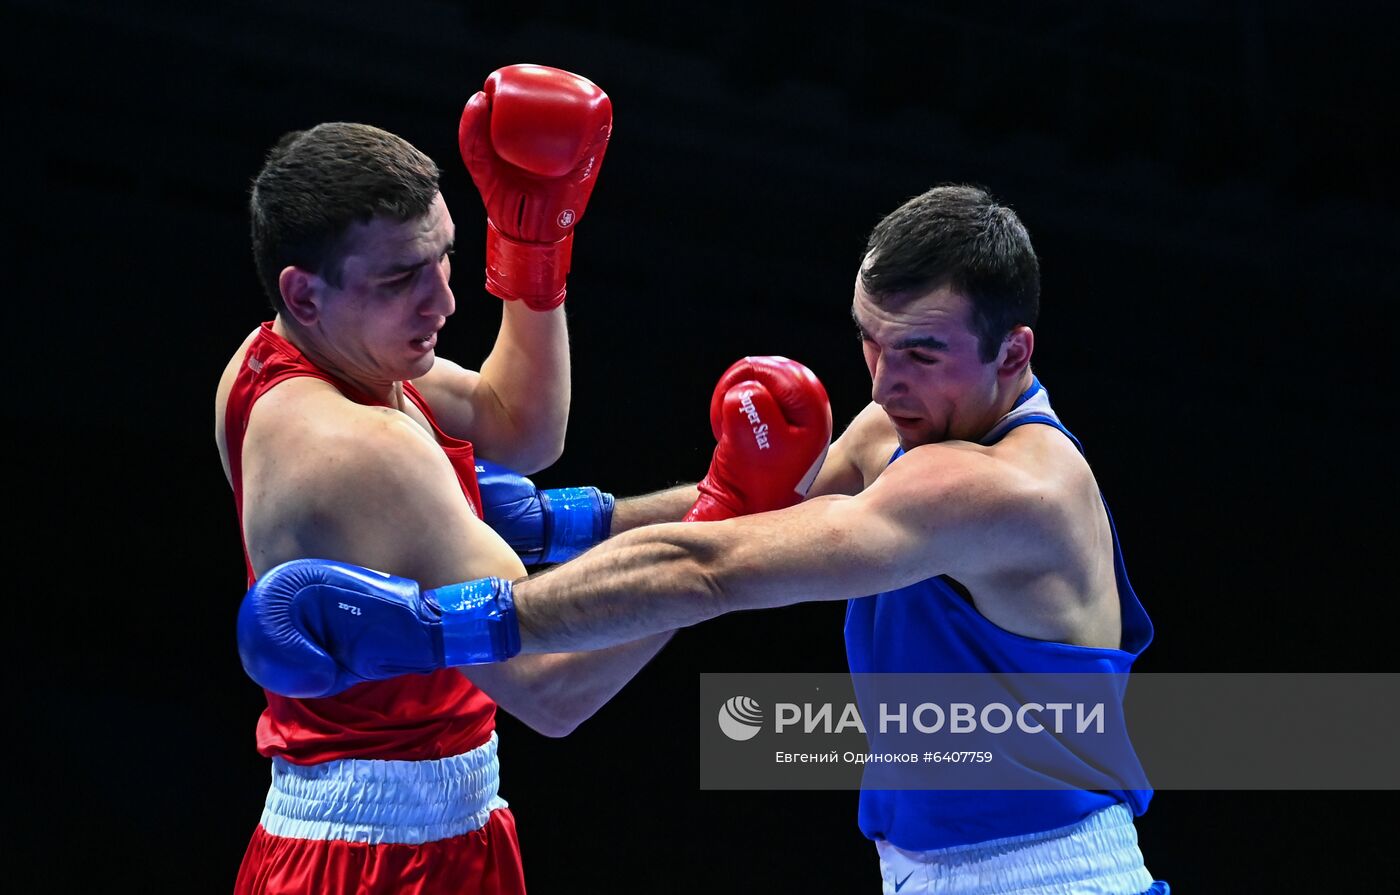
(1208, 185)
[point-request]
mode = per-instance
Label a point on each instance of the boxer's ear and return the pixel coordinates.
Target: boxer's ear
(301, 294)
(1016, 350)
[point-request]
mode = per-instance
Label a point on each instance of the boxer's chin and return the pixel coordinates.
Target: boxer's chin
(921, 436)
(908, 443)
(421, 364)
(911, 431)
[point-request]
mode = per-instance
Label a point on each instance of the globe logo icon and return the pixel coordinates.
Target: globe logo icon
(740, 718)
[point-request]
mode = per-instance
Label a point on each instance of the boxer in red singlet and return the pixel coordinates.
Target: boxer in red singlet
(343, 435)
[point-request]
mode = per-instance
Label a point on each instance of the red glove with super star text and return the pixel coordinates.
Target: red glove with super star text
(772, 420)
(533, 139)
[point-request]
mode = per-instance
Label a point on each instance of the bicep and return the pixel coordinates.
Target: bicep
(908, 526)
(828, 548)
(468, 408)
(454, 393)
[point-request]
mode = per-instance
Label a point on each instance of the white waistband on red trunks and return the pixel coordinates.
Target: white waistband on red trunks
(378, 802)
(1097, 856)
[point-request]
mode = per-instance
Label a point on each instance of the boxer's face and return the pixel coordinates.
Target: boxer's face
(381, 323)
(925, 369)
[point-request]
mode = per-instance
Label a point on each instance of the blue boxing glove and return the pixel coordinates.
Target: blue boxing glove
(542, 526)
(312, 627)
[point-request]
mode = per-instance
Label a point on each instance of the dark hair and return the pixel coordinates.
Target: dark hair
(316, 183)
(957, 236)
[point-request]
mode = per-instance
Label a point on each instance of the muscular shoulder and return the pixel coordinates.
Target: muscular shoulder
(324, 476)
(1022, 526)
(986, 512)
(1027, 506)
(305, 433)
(958, 471)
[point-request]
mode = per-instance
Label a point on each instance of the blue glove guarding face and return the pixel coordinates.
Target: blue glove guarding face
(542, 526)
(312, 628)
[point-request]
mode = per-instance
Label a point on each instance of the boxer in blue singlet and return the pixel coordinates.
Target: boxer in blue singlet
(955, 513)
(1059, 840)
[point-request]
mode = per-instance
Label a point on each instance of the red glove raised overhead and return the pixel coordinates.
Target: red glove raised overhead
(772, 420)
(533, 140)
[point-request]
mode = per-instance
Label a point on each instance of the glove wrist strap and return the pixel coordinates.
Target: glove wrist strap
(478, 622)
(576, 519)
(532, 272)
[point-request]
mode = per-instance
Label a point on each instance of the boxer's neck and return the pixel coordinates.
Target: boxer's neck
(388, 393)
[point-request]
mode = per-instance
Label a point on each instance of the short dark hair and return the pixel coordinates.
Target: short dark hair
(957, 235)
(316, 183)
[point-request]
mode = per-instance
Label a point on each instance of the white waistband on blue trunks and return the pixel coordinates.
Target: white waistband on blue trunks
(379, 802)
(1097, 856)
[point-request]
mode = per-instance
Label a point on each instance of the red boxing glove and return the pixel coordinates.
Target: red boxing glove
(772, 420)
(533, 140)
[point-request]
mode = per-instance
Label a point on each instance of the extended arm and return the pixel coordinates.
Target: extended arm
(650, 509)
(554, 525)
(938, 511)
(671, 576)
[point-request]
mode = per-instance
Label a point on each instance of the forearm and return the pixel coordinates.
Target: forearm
(662, 577)
(650, 509)
(569, 688)
(527, 372)
(638, 584)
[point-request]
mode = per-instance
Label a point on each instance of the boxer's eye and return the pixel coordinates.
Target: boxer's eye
(402, 278)
(924, 359)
